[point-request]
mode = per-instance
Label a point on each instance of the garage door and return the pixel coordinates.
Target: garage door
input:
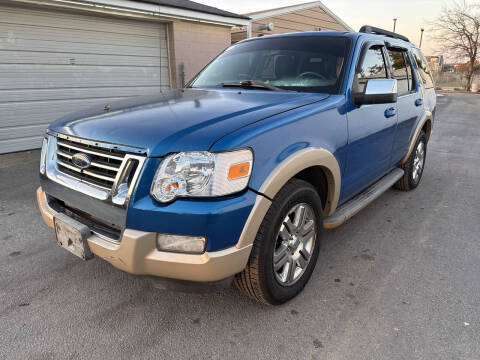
(53, 63)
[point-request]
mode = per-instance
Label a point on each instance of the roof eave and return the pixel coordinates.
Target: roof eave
(299, 7)
(138, 9)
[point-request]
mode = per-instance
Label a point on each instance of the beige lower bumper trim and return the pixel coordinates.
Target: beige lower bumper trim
(137, 254)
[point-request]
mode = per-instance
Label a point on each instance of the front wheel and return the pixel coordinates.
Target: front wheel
(414, 166)
(286, 247)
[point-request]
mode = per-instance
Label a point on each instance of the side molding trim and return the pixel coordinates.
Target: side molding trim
(423, 120)
(286, 170)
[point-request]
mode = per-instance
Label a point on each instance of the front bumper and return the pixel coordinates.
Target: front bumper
(136, 253)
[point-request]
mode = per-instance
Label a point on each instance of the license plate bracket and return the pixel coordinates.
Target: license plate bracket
(72, 236)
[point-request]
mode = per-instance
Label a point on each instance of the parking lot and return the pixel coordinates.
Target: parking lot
(401, 280)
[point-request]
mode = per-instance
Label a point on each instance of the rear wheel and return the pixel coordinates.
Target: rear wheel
(286, 247)
(414, 166)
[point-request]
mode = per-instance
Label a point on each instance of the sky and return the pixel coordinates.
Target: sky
(412, 15)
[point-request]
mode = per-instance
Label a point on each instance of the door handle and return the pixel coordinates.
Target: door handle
(418, 102)
(390, 112)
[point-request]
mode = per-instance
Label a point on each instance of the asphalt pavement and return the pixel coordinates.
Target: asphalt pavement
(400, 280)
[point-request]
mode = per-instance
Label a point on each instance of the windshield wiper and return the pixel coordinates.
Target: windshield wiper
(250, 84)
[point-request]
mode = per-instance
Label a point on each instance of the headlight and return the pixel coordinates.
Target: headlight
(202, 174)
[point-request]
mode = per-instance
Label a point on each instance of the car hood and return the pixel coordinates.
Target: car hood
(179, 120)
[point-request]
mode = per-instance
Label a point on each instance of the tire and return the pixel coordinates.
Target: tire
(413, 173)
(260, 280)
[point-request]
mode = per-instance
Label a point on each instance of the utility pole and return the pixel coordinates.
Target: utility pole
(394, 24)
(421, 36)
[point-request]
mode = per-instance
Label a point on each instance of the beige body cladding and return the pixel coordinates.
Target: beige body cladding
(137, 252)
(426, 119)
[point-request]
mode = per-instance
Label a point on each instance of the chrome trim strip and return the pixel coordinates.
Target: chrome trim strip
(106, 145)
(106, 238)
(141, 160)
(98, 176)
(68, 166)
(105, 154)
(103, 166)
(43, 155)
(64, 154)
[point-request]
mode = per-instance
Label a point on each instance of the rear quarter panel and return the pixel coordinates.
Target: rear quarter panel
(430, 99)
(429, 96)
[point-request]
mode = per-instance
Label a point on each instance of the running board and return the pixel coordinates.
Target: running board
(353, 206)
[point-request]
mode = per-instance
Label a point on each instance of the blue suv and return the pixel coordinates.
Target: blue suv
(236, 175)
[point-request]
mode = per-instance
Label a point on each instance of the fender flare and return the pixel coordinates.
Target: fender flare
(426, 117)
(284, 171)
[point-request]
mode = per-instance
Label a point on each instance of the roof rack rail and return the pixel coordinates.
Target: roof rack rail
(367, 29)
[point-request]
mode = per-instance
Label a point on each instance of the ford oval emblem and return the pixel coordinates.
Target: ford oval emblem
(81, 160)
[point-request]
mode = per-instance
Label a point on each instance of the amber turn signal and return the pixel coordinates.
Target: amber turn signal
(239, 170)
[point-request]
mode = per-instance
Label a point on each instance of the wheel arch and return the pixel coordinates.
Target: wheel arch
(427, 128)
(317, 177)
(300, 164)
(424, 124)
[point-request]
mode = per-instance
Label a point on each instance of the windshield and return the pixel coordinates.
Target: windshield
(300, 63)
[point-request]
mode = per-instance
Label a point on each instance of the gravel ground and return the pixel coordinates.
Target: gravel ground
(399, 281)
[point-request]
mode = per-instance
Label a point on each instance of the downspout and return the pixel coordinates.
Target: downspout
(249, 30)
(182, 74)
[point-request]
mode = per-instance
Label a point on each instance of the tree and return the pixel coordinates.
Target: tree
(458, 29)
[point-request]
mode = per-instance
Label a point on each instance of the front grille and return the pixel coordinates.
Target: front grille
(104, 166)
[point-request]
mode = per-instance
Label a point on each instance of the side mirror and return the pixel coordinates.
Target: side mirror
(377, 91)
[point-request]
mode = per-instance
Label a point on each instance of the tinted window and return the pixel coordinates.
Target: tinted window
(373, 67)
(423, 68)
(308, 64)
(400, 73)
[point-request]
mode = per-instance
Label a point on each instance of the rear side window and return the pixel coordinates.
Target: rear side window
(423, 69)
(401, 70)
(372, 67)
(411, 79)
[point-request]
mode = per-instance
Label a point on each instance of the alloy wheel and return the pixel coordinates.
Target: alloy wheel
(295, 243)
(418, 161)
